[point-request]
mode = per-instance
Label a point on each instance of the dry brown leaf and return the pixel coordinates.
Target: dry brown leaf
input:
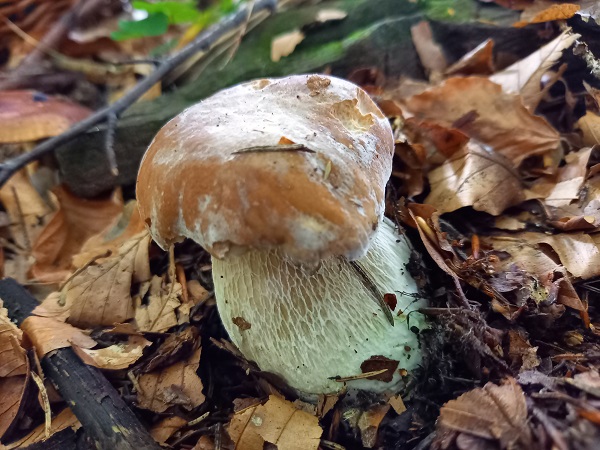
(369, 422)
(284, 44)
(12, 391)
(47, 334)
(328, 14)
(65, 419)
(397, 404)
(475, 177)
(27, 212)
(562, 188)
(114, 357)
(548, 13)
(127, 225)
(277, 422)
(479, 61)
(505, 417)
(204, 443)
(164, 429)
(13, 357)
(525, 77)
(479, 108)
(100, 294)
(159, 313)
(76, 220)
(430, 53)
(590, 128)
(176, 385)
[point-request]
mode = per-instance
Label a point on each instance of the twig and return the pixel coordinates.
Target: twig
(202, 42)
(105, 417)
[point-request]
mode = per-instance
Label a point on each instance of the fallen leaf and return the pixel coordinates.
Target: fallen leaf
(176, 385)
(377, 363)
(479, 61)
(12, 392)
(166, 428)
(589, 125)
(284, 44)
(522, 354)
(505, 417)
(588, 382)
(475, 177)
(47, 334)
(13, 357)
(430, 52)
(479, 108)
(369, 422)
(276, 422)
(525, 77)
(65, 419)
(549, 13)
(397, 404)
(100, 294)
(204, 443)
(174, 346)
(114, 357)
(125, 226)
(76, 220)
(27, 212)
(159, 314)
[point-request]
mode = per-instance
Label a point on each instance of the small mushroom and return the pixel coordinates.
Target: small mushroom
(283, 182)
(27, 116)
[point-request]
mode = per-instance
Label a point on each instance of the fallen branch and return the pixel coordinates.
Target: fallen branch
(105, 417)
(202, 43)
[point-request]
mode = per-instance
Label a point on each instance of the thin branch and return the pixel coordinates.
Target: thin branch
(201, 43)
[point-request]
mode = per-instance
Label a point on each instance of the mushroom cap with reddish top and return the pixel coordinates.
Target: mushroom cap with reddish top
(27, 116)
(226, 172)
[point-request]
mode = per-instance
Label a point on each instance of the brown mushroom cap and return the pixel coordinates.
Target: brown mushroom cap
(203, 177)
(27, 116)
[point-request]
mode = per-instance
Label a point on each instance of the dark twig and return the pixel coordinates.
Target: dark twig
(105, 417)
(201, 43)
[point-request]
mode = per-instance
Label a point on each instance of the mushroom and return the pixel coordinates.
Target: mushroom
(27, 116)
(282, 181)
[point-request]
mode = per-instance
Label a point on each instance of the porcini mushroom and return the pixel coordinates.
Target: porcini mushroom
(282, 181)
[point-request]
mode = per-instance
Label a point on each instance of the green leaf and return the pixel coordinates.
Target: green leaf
(153, 25)
(177, 12)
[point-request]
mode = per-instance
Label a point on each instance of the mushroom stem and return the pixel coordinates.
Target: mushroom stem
(312, 325)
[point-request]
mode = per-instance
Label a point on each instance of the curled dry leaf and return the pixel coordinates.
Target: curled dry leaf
(76, 221)
(525, 77)
(479, 108)
(159, 313)
(479, 61)
(47, 334)
(430, 53)
(114, 357)
(100, 294)
(547, 13)
(65, 419)
(12, 392)
(164, 429)
(176, 385)
(277, 422)
(505, 417)
(475, 177)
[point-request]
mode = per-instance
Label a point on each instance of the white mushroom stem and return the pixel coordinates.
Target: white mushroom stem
(310, 325)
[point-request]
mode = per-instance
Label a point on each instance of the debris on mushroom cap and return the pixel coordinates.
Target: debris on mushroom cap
(27, 116)
(224, 173)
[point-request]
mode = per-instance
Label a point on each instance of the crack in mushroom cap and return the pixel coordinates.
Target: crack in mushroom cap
(327, 199)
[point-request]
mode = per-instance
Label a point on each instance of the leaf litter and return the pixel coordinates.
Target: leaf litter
(501, 196)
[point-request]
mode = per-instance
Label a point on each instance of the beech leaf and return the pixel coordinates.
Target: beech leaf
(480, 109)
(48, 334)
(475, 177)
(176, 385)
(159, 314)
(277, 422)
(100, 294)
(505, 417)
(65, 419)
(114, 357)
